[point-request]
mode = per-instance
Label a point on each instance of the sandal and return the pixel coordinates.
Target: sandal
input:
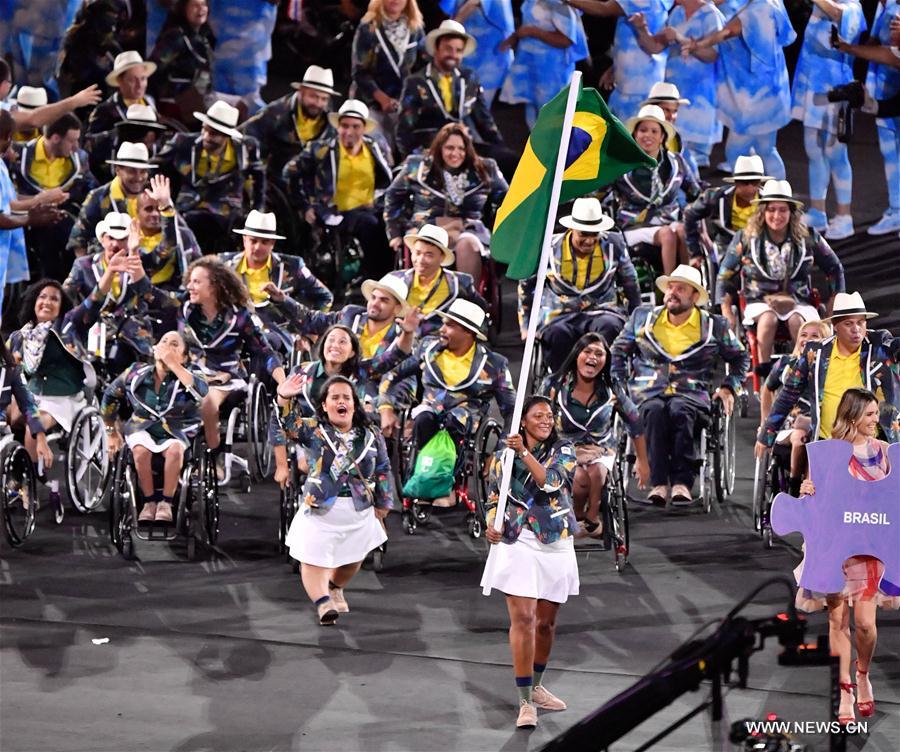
(866, 707)
(845, 710)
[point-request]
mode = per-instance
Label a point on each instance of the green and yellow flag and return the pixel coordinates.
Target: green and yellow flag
(600, 150)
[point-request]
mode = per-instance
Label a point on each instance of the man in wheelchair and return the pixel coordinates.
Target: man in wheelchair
(459, 378)
(165, 411)
(587, 270)
(674, 351)
(338, 181)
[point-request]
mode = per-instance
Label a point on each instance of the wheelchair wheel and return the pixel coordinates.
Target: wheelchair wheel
(208, 491)
(489, 289)
(723, 446)
(708, 276)
(19, 492)
(536, 373)
(258, 430)
(121, 513)
(487, 441)
(760, 476)
(378, 557)
(87, 460)
(617, 503)
(290, 503)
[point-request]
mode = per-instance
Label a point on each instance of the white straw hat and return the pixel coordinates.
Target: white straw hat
(126, 61)
(449, 28)
(587, 216)
(114, 224)
(652, 112)
(687, 274)
(393, 286)
(435, 235)
(356, 109)
(222, 117)
(260, 225)
(132, 155)
(467, 314)
(30, 98)
(748, 168)
(776, 190)
(142, 115)
(318, 78)
(849, 304)
(663, 91)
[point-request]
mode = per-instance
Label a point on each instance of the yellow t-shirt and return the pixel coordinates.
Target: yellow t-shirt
(676, 338)
(740, 214)
(23, 137)
(148, 243)
(445, 86)
(49, 172)
(455, 368)
(419, 293)
(255, 279)
(129, 102)
(843, 374)
(355, 185)
(211, 163)
(308, 129)
(368, 343)
(594, 261)
(117, 193)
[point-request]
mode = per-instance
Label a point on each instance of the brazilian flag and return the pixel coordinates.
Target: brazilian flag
(600, 150)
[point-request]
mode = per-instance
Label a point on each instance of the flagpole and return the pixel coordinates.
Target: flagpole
(522, 389)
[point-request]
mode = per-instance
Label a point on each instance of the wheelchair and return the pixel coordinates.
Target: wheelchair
(771, 477)
(245, 415)
(19, 485)
(473, 455)
(336, 258)
(715, 441)
(197, 495)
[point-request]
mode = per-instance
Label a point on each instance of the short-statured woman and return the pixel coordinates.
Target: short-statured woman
(218, 327)
(534, 564)
(586, 401)
(649, 209)
(347, 494)
(450, 187)
(164, 398)
(856, 423)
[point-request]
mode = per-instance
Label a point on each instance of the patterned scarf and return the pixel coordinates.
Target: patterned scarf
(34, 340)
(343, 452)
(397, 33)
(777, 257)
(455, 185)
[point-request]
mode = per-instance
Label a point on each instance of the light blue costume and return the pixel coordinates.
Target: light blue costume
(819, 69)
(753, 88)
(13, 259)
(32, 32)
(244, 33)
(539, 71)
(698, 124)
(883, 81)
(156, 17)
(490, 24)
(635, 70)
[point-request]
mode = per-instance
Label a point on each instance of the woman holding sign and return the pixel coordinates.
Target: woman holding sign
(535, 566)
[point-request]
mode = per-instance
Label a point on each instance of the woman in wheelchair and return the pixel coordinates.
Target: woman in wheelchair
(535, 567)
(648, 208)
(586, 401)
(346, 496)
(219, 329)
(450, 187)
(164, 399)
(774, 256)
(798, 432)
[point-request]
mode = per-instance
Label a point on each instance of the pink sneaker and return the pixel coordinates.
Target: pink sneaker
(148, 513)
(163, 512)
(544, 698)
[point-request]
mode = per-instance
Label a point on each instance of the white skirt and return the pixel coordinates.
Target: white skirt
(230, 386)
(531, 569)
(144, 439)
(62, 409)
(342, 535)
(754, 310)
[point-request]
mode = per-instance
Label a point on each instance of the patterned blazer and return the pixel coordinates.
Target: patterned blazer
(654, 372)
(222, 351)
(637, 209)
(96, 206)
(219, 194)
(715, 205)
(422, 111)
(488, 378)
(14, 387)
(368, 477)
(110, 111)
(746, 257)
(546, 510)
(78, 184)
(179, 415)
(312, 176)
(177, 241)
(415, 197)
(461, 285)
(274, 127)
(598, 429)
(879, 370)
(564, 299)
(185, 59)
(125, 313)
(378, 65)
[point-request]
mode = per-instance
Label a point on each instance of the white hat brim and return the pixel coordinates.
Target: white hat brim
(410, 241)
(130, 163)
(657, 100)
(335, 117)
(470, 325)
(745, 176)
(318, 87)
(432, 36)
(573, 224)
(866, 314)
(226, 129)
(259, 234)
(112, 78)
(667, 127)
(773, 199)
(154, 124)
(663, 282)
(369, 285)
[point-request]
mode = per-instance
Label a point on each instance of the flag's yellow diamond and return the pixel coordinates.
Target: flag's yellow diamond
(527, 179)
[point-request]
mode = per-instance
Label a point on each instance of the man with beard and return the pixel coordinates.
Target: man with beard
(675, 350)
(284, 127)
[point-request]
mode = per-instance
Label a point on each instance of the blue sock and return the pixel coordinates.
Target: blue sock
(523, 684)
(323, 599)
(539, 669)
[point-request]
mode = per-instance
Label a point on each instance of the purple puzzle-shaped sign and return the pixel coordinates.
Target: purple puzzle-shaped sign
(846, 517)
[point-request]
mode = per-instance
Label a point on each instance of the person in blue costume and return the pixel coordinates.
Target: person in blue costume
(819, 69)
(694, 75)
(753, 87)
(633, 70)
(548, 43)
(490, 22)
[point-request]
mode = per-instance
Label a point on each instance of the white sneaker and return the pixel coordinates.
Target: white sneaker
(889, 222)
(545, 699)
(815, 219)
(840, 228)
